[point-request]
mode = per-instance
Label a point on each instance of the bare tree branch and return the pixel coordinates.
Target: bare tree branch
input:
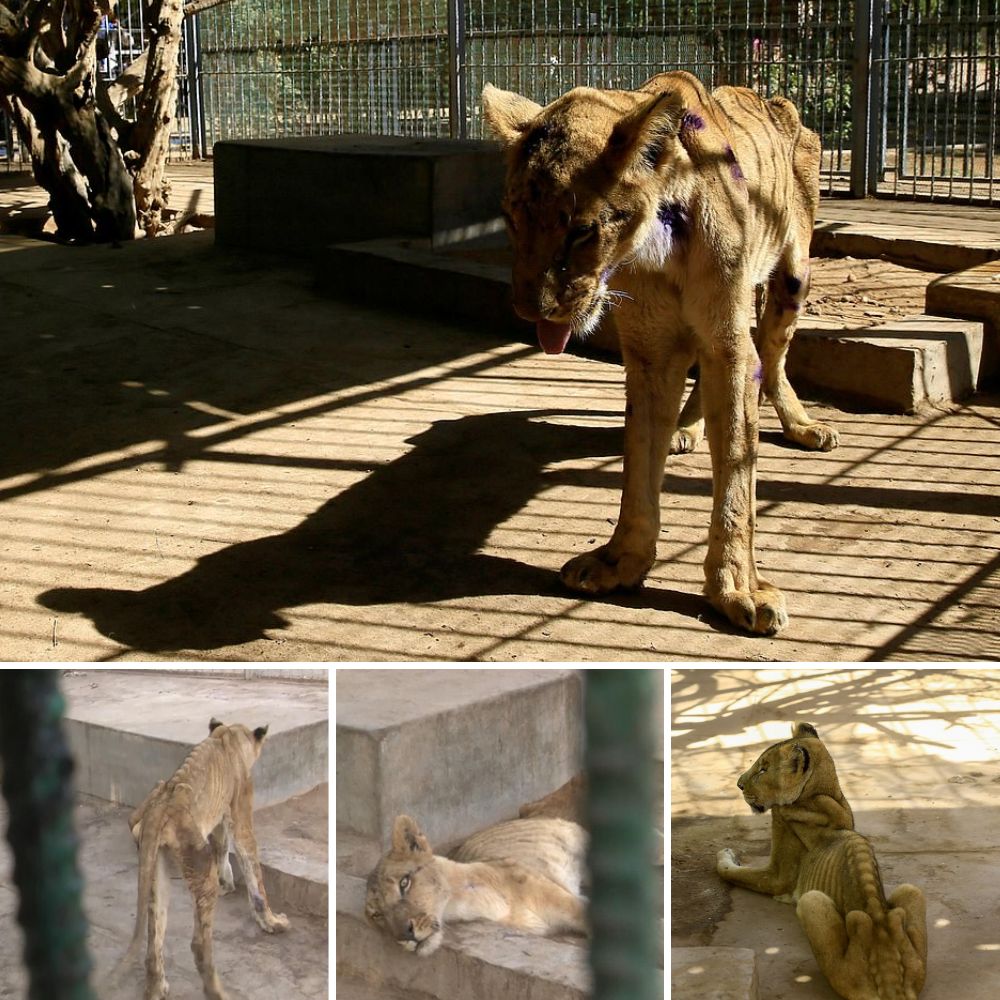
(197, 6)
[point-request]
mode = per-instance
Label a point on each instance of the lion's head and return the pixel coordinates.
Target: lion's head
(597, 180)
(790, 770)
(406, 894)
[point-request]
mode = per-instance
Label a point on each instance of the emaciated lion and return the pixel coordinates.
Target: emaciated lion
(673, 205)
(869, 946)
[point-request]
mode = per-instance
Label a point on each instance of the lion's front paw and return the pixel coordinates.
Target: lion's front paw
(726, 860)
(277, 924)
(600, 571)
(761, 611)
(815, 436)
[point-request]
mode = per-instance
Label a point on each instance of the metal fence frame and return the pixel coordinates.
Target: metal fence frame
(905, 94)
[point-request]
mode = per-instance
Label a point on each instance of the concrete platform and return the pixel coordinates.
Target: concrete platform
(972, 294)
(713, 974)
(916, 755)
(293, 839)
(129, 729)
(458, 750)
(329, 189)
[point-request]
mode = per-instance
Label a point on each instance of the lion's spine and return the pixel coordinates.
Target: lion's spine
(847, 871)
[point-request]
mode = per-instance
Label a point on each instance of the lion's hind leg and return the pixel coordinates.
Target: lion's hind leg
(219, 839)
(156, 976)
(841, 946)
(908, 920)
(786, 292)
(202, 877)
(690, 424)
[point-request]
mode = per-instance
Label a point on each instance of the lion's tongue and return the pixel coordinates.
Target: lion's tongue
(553, 337)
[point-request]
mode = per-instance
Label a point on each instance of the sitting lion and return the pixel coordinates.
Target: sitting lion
(191, 817)
(869, 947)
(671, 204)
(525, 873)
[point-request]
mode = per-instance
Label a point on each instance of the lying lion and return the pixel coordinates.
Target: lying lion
(191, 818)
(525, 873)
(671, 204)
(869, 947)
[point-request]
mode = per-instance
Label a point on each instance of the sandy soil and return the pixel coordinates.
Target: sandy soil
(202, 458)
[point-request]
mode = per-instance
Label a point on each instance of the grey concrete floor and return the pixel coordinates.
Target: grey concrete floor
(293, 965)
(201, 458)
(917, 754)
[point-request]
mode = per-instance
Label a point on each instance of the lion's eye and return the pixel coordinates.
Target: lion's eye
(762, 768)
(404, 884)
(581, 235)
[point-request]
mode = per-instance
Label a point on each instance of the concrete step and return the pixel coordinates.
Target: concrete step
(931, 248)
(294, 845)
(351, 187)
(898, 367)
(893, 367)
(457, 749)
(130, 729)
(713, 974)
(350, 987)
(972, 294)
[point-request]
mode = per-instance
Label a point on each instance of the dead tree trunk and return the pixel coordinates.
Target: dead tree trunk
(47, 66)
(101, 172)
(56, 172)
(155, 111)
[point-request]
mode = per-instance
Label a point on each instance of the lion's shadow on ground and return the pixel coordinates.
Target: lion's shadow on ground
(409, 532)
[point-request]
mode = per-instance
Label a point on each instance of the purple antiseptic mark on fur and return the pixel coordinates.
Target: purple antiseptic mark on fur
(692, 121)
(793, 284)
(674, 218)
(758, 373)
(734, 166)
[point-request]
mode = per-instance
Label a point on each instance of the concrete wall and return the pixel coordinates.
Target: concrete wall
(456, 749)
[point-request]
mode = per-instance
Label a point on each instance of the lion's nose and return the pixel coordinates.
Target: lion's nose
(410, 933)
(739, 784)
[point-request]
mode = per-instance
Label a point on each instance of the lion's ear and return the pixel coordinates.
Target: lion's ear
(213, 724)
(408, 838)
(259, 733)
(507, 114)
(804, 729)
(799, 759)
(640, 138)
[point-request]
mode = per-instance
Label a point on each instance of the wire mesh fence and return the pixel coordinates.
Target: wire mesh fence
(903, 93)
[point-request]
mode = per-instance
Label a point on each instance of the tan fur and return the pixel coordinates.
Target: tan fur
(671, 204)
(869, 947)
(525, 874)
(566, 802)
(191, 818)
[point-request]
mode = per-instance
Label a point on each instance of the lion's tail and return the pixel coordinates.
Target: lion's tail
(149, 850)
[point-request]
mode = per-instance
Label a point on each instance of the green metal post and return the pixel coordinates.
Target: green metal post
(37, 771)
(619, 755)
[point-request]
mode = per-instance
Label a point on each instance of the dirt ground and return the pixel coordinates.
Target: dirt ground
(917, 757)
(202, 458)
(293, 965)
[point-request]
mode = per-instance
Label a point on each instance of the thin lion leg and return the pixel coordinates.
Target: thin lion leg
(245, 844)
(156, 977)
(202, 877)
